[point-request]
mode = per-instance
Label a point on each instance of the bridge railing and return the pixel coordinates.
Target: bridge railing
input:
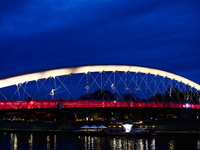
(42, 104)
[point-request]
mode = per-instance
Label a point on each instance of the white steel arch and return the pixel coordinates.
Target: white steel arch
(94, 68)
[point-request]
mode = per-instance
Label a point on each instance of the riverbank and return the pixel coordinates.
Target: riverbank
(70, 131)
(69, 126)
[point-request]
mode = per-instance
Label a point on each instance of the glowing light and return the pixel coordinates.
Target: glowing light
(127, 126)
(187, 105)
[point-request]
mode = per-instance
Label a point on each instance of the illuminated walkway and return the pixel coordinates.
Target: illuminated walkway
(43, 104)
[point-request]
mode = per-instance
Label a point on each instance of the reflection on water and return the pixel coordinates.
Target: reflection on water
(48, 142)
(54, 139)
(30, 142)
(58, 141)
(13, 141)
(198, 144)
(171, 145)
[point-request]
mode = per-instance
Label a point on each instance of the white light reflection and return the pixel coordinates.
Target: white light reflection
(13, 141)
(198, 145)
(153, 144)
(86, 143)
(119, 143)
(54, 141)
(146, 142)
(140, 144)
(114, 143)
(30, 142)
(92, 142)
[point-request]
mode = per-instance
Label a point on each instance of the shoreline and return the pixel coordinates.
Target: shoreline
(70, 131)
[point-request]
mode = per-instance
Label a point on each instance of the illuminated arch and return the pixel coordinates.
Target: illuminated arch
(96, 68)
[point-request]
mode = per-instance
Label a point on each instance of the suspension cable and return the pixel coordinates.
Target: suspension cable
(3, 95)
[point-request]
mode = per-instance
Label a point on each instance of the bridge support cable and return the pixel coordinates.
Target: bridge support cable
(86, 88)
(192, 95)
(170, 92)
(18, 90)
(65, 87)
(94, 81)
(155, 89)
(185, 92)
(3, 95)
(91, 86)
(42, 84)
(163, 90)
(178, 92)
(15, 92)
(167, 88)
(117, 83)
(132, 79)
(48, 87)
(158, 86)
(140, 85)
(38, 88)
(55, 85)
(101, 93)
(159, 83)
(148, 85)
(137, 87)
(196, 96)
(113, 85)
(108, 79)
(79, 82)
(24, 90)
(103, 85)
(125, 83)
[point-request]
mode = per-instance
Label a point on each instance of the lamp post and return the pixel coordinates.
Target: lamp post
(127, 126)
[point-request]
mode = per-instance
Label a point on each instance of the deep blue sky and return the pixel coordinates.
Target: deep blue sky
(40, 34)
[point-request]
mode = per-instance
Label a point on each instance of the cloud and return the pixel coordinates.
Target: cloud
(43, 34)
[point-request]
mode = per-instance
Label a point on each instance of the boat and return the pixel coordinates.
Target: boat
(116, 128)
(91, 130)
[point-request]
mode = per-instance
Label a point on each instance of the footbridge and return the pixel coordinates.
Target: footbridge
(99, 86)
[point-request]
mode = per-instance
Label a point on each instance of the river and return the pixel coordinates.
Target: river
(64, 141)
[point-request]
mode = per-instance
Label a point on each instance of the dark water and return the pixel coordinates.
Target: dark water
(63, 141)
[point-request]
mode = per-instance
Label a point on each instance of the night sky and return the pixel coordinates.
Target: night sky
(45, 34)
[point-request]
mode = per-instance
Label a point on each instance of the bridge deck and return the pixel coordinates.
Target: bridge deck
(42, 104)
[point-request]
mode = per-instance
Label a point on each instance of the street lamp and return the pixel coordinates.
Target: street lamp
(127, 126)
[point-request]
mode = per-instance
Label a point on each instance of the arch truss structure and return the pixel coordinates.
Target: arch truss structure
(102, 82)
